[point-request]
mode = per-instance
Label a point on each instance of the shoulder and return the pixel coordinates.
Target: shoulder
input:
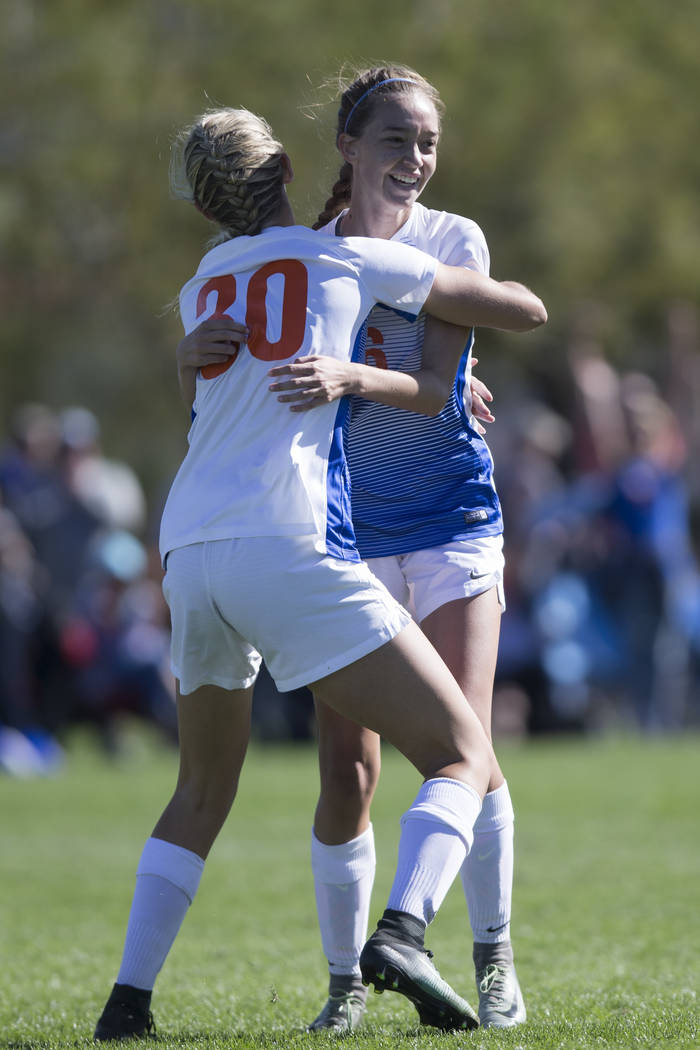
(453, 239)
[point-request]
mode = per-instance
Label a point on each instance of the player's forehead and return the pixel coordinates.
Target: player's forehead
(409, 111)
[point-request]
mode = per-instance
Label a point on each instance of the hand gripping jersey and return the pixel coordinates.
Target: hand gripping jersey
(420, 481)
(253, 467)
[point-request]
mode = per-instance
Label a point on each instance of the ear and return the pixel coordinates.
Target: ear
(287, 172)
(347, 145)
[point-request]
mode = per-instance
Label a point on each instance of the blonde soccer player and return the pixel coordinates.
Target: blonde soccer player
(261, 561)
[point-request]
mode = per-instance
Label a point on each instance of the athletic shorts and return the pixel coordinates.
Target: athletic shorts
(425, 580)
(236, 602)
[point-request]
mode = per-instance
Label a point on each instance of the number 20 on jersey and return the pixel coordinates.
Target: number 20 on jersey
(293, 320)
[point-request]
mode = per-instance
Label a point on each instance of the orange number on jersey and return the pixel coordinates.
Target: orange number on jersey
(293, 324)
(373, 355)
(296, 288)
(225, 288)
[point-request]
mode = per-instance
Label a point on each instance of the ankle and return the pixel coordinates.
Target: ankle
(404, 926)
(500, 954)
(347, 984)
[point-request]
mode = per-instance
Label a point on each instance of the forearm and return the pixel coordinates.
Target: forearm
(422, 392)
(187, 378)
(464, 297)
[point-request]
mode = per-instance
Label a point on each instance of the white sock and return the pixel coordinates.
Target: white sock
(343, 878)
(487, 873)
(166, 881)
(436, 835)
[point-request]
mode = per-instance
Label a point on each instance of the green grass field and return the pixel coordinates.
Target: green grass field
(607, 901)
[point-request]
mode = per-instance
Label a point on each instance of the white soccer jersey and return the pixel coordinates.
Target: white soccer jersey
(418, 481)
(253, 467)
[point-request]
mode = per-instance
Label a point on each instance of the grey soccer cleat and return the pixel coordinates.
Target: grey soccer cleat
(127, 1015)
(501, 1002)
(399, 966)
(343, 1012)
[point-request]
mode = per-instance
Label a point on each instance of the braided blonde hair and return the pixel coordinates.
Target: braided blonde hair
(229, 164)
(357, 104)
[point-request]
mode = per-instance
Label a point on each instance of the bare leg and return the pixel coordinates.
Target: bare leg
(214, 729)
(465, 633)
(406, 694)
(349, 763)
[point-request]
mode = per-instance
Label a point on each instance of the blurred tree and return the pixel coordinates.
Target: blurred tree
(570, 137)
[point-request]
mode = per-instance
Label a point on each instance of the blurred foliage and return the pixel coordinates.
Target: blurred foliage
(570, 136)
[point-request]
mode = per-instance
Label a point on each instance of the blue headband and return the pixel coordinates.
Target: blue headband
(391, 80)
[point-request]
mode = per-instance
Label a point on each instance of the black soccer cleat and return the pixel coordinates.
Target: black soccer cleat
(127, 1015)
(393, 964)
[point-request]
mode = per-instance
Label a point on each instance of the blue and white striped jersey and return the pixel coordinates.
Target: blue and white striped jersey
(419, 481)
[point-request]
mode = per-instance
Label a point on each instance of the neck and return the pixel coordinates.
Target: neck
(284, 216)
(368, 222)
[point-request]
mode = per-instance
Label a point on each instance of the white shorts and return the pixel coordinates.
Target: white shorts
(425, 580)
(236, 602)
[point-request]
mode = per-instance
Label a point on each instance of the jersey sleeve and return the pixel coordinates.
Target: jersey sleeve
(462, 243)
(394, 274)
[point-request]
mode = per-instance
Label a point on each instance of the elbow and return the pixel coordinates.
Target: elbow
(435, 399)
(535, 315)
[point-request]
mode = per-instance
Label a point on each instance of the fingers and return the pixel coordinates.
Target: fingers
(481, 389)
(219, 330)
(299, 383)
(480, 410)
(300, 366)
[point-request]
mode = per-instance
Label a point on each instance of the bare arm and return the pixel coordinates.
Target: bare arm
(316, 380)
(465, 297)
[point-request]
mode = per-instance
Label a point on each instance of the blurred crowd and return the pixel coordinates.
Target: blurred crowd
(602, 626)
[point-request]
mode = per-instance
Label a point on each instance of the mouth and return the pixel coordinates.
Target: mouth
(406, 180)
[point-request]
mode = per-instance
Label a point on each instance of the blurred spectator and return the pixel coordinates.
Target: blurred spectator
(115, 640)
(603, 587)
(108, 489)
(83, 633)
(602, 581)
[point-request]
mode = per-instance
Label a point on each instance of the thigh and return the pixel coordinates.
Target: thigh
(214, 730)
(465, 633)
(405, 692)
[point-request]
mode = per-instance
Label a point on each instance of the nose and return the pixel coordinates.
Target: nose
(413, 154)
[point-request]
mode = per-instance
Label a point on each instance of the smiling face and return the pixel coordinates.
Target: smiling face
(393, 157)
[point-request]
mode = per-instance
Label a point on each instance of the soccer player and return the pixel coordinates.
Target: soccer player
(428, 523)
(261, 563)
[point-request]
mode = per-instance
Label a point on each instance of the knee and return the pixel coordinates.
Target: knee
(350, 780)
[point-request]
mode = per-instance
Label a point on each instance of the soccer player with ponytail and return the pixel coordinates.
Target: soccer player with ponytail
(261, 561)
(428, 523)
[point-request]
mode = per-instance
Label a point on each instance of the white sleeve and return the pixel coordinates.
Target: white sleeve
(397, 275)
(462, 243)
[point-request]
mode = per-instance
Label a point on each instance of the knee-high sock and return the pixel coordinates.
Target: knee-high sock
(166, 881)
(436, 835)
(487, 873)
(343, 878)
